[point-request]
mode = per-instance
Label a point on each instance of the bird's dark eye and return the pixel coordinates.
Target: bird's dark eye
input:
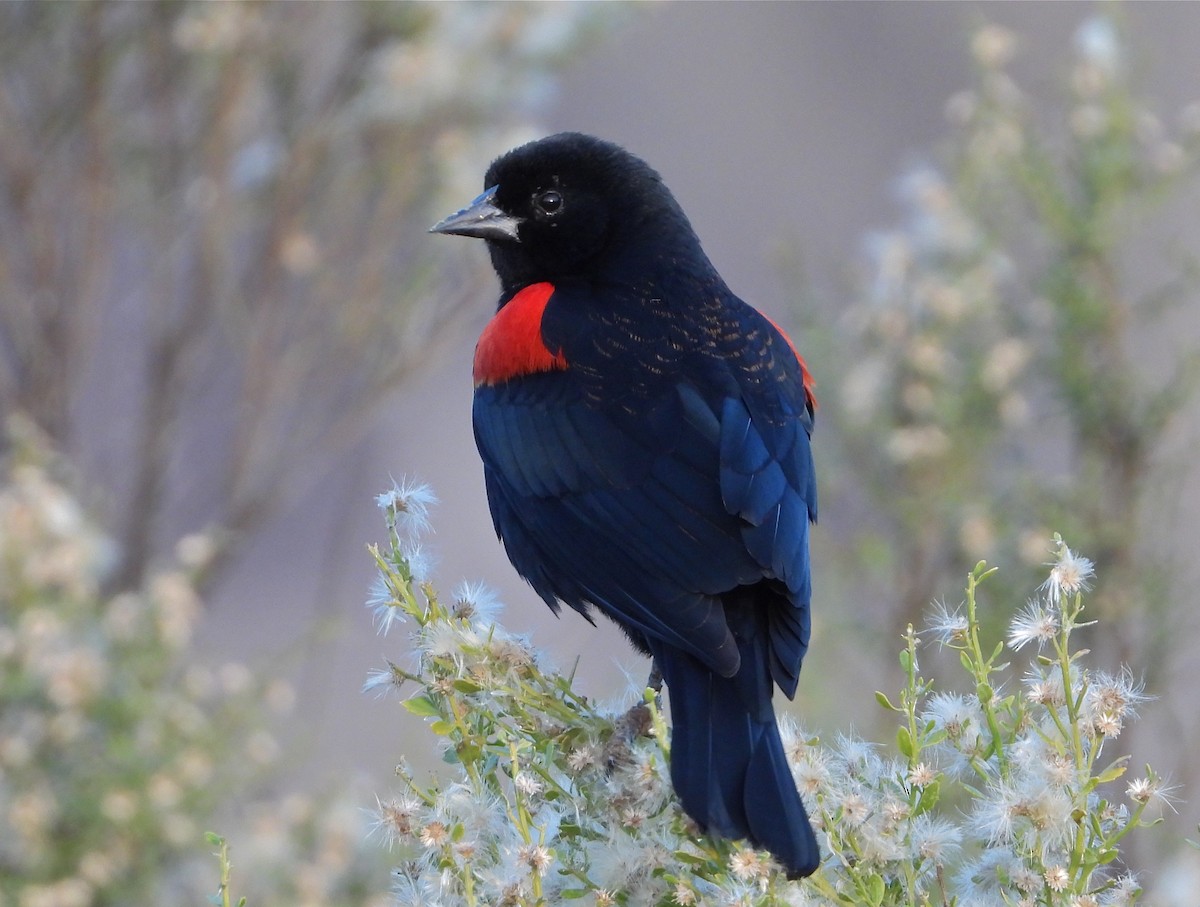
(549, 202)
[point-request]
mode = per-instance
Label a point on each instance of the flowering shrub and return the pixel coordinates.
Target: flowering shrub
(997, 790)
(248, 184)
(985, 380)
(118, 746)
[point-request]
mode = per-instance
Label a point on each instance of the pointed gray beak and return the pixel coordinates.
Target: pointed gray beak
(481, 219)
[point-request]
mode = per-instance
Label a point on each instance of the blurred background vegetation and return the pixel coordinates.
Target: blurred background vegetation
(222, 326)
(213, 274)
(213, 264)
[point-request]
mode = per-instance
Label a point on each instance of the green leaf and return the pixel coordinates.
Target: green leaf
(572, 894)
(968, 665)
(984, 692)
(882, 699)
(423, 706)
(935, 737)
(462, 685)
(982, 571)
(1113, 772)
(904, 742)
(905, 660)
(442, 728)
(928, 799)
(874, 889)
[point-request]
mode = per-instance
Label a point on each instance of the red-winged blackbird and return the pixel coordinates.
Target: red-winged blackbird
(645, 442)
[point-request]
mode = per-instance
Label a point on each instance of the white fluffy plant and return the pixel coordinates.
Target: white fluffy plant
(1000, 792)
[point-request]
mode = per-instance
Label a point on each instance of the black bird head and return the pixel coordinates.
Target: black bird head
(573, 205)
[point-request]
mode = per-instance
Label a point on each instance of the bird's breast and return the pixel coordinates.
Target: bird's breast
(512, 344)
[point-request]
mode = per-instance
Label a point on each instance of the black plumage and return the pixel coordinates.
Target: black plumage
(645, 441)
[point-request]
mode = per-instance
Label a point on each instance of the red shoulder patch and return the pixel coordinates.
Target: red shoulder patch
(805, 375)
(511, 345)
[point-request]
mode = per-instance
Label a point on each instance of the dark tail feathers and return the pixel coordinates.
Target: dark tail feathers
(727, 761)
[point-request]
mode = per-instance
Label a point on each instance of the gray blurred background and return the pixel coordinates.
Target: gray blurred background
(783, 129)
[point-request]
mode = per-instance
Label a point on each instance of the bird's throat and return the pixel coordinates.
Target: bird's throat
(511, 345)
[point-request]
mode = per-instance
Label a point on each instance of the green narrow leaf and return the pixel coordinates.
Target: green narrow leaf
(1113, 772)
(983, 571)
(882, 699)
(904, 742)
(933, 738)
